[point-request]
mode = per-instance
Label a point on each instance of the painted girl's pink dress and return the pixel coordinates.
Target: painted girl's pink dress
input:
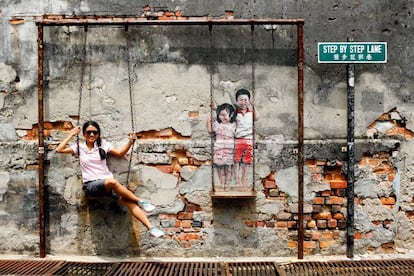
(224, 143)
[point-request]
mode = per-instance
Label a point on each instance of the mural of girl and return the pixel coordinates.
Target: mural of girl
(223, 127)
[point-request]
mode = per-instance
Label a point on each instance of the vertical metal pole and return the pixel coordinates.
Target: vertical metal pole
(42, 233)
(350, 150)
(300, 142)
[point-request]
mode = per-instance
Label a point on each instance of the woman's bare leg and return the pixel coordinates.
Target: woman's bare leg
(113, 184)
(136, 212)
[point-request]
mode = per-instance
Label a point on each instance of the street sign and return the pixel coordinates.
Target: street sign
(352, 52)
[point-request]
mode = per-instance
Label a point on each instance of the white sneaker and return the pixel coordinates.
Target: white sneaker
(146, 205)
(155, 232)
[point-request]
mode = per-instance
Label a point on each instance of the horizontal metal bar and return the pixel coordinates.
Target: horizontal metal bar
(63, 20)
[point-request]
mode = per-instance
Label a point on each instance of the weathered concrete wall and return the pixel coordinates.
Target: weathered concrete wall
(171, 101)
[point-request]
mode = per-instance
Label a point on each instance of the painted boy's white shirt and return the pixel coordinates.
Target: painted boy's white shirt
(92, 167)
(244, 124)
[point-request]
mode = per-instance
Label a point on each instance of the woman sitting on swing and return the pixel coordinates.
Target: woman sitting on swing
(96, 176)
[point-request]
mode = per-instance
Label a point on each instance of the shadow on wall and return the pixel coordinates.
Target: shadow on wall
(232, 235)
(106, 228)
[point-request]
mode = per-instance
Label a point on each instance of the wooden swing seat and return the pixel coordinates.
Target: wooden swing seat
(246, 194)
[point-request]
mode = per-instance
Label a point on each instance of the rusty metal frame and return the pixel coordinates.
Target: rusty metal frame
(93, 20)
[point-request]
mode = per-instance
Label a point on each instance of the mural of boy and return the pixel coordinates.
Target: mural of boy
(246, 114)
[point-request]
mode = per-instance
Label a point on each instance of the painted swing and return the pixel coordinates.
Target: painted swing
(232, 139)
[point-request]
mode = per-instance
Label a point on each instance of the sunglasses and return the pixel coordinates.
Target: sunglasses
(94, 132)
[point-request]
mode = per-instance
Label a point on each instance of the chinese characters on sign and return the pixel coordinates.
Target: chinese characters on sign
(352, 52)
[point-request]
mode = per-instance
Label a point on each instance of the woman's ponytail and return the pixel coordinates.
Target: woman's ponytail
(102, 153)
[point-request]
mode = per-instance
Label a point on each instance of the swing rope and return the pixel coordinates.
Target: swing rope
(210, 47)
(82, 72)
(131, 100)
(253, 94)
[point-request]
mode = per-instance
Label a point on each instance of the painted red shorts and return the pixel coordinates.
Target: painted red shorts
(243, 151)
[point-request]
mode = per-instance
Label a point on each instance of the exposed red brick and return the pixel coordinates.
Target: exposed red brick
(311, 224)
(31, 167)
(166, 216)
(338, 216)
(183, 161)
(182, 237)
(67, 125)
(166, 132)
(165, 168)
(321, 224)
(249, 223)
(369, 162)
(192, 236)
(291, 224)
(193, 114)
(16, 21)
(338, 184)
(316, 208)
(328, 235)
(186, 223)
(309, 244)
(410, 214)
(334, 200)
(388, 245)
(320, 163)
(172, 230)
(269, 184)
(169, 13)
(332, 223)
(388, 250)
(282, 224)
(387, 200)
(326, 193)
(165, 18)
(316, 236)
(191, 207)
(260, 223)
(323, 216)
(48, 125)
(319, 200)
(185, 215)
(307, 251)
(317, 177)
(307, 217)
(292, 244)
(328, 177)
(326, 244)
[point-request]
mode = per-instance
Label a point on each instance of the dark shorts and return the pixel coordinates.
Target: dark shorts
(97, 188)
